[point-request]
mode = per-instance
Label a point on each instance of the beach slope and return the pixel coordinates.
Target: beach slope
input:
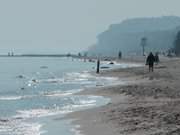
(148, 104)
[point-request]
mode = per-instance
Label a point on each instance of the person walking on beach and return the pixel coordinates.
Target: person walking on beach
(156, 58)
(150, 61)
(120, 55)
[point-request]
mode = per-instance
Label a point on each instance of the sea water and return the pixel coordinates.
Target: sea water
(35, 93)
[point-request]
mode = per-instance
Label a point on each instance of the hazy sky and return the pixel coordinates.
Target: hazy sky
(57, 26)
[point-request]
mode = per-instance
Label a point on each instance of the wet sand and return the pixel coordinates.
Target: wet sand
(148, 104)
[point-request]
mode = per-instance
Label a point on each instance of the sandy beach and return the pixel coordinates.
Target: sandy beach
(147, 104)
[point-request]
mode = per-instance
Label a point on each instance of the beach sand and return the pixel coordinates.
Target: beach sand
(147, 104)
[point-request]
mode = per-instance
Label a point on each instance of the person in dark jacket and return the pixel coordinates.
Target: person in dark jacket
(150, 61)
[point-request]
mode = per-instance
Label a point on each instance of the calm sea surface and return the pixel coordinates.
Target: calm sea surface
(36, 92)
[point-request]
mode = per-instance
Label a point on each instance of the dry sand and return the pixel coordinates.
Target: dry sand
(148, 104)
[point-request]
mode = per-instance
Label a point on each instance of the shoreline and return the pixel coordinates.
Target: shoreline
(139, 107)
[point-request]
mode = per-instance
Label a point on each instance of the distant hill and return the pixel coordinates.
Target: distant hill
(126, 36)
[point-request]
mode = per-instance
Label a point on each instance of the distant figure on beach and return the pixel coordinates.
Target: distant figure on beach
(79, 55)
(150, 61)
(156, 58)
(120, 55)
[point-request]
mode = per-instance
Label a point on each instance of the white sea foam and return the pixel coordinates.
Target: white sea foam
(84, 76)
(73, 108)
(68, 78)
(19, 127)
(37, 113)
(128, 65)
(10, 97)
(25, 114)
(75, 131)
(76, 103)
(28, 129)
(81, 78)
(119, 65)
(82, 103)
(107, 78)
(89, 102)
(57, 94)
(52, 80)
(61, 93)
(86, 79)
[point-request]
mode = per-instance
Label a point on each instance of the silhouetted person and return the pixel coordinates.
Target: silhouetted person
(156, 58)
(120, 55)
(79, 55)
(150, 61)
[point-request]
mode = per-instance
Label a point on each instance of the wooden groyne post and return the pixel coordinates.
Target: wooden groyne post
(98, 66)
